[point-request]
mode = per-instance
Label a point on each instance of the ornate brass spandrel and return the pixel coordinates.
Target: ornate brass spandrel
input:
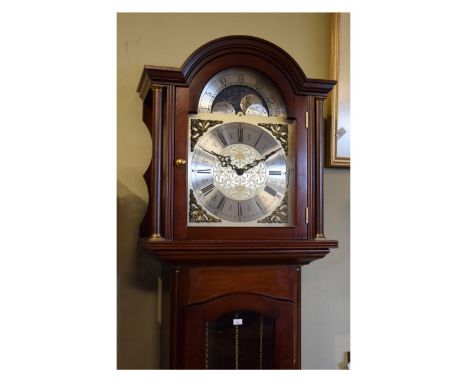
(197, 214)
(279, 131)
(198, 127)
(280, 214)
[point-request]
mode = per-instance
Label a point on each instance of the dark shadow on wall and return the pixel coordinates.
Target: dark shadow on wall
(138, 328)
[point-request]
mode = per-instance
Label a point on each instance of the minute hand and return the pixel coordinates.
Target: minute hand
(257, 161)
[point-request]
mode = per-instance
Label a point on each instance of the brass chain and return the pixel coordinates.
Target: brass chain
(206, 345)
(260, 355)
(237, 347)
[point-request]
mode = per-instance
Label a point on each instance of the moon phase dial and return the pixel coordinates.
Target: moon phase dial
(239, 172)
(242, 91)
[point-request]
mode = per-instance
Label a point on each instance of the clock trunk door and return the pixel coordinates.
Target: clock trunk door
(245, 177)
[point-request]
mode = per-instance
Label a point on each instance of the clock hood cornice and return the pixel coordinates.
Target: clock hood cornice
(246, 45)
(299, 252)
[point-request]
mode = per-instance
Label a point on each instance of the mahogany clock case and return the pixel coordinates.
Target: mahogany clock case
(214, 274)
(171, 95)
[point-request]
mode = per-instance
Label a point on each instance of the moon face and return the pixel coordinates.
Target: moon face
(252, 104)
(223, 107)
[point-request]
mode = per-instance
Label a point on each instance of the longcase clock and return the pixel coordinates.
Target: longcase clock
(235, 201)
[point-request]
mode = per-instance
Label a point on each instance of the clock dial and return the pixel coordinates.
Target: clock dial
(239, 172)
(245, 90)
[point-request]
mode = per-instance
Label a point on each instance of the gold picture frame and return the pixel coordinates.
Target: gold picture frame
(338, 129)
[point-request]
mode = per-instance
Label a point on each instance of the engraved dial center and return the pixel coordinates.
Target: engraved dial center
(236, 183)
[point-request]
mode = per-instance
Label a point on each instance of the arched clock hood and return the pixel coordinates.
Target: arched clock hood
(236, 46)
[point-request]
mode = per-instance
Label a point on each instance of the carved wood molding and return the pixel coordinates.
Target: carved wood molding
(298, 252)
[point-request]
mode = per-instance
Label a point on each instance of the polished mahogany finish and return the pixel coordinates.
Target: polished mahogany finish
(298, 252)
(213, 271)
(205, 293)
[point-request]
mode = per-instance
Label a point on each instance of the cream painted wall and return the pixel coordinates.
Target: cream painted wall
(167, 40)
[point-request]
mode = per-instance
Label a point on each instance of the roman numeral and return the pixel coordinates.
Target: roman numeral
(274, 172)
(240, 134)
(255, 145)
(259, 206)
(259, 85)
(223, 82)
(210, 95)
(206, 190)
(204, 171)
(221, 203)
(221, 138)
(239, 209)
(271, 191)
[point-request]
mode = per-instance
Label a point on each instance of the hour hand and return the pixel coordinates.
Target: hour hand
(219, 156)
(225, 160)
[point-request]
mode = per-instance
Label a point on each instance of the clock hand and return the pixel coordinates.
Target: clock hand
(270, 154)
(225, 160)
(220, 157)
(257, 161)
